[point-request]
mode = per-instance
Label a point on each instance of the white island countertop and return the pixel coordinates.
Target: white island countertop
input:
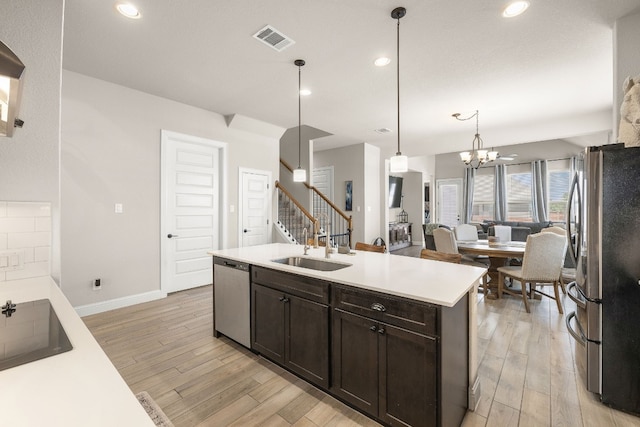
(419, 279)
(78, 388)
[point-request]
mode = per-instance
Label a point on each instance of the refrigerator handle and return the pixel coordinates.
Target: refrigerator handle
(578, 297)
(578, 336)
(574, 249)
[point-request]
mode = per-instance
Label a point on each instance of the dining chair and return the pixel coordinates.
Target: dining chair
(466, 232)
(568, 274)
(446, 243)
(503, 232)
(541, 265)
(369, 248)
(440, 256)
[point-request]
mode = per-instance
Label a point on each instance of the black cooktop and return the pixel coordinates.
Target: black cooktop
(30, 331)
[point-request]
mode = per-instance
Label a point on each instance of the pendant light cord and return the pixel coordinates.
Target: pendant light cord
(398, 80)
(299, 113)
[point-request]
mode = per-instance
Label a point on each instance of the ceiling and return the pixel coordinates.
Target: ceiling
(551, 64)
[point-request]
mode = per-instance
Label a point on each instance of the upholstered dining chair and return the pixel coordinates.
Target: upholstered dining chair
(446, 243)
(369, 248)
(541, 265)
(502, 232)
(440, 256)
(568, 274)
(466, 232)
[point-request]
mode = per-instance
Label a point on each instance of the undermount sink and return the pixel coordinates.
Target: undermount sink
(312, 263)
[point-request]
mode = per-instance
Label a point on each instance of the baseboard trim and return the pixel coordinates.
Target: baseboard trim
(100, 307)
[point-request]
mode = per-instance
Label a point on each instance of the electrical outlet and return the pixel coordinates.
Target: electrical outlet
(97, 284)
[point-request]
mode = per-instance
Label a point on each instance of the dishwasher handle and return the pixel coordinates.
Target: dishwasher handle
(236, 265)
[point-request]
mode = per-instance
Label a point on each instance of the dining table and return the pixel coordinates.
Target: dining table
(498, 254)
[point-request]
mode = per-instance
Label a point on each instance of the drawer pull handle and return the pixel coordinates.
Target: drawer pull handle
(373, 328)
(378, 307)
(381, 331)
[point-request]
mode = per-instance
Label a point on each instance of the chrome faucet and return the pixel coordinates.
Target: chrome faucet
(327, 243)
(306, 240)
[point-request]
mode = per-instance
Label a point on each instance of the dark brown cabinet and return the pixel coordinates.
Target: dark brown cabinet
(386, 359)
(400, 361)
(290, 322)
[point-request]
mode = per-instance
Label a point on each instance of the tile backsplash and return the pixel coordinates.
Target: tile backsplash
(25, 240)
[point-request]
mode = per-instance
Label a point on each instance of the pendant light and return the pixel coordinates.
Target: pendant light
(398, 163)
(299, 174)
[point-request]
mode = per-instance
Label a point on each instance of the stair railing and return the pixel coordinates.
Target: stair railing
(294, 216)
(341, 224)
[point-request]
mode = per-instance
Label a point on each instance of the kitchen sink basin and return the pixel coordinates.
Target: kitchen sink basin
(312, 263)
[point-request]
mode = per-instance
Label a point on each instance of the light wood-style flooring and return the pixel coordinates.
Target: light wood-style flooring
(167, 348)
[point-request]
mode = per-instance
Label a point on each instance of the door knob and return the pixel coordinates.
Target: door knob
(246, 230)
(172, 235)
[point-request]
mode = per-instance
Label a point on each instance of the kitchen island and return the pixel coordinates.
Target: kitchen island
(80, 387)
(393, 336)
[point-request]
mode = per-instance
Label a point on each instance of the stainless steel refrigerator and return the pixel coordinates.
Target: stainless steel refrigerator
(604, 219)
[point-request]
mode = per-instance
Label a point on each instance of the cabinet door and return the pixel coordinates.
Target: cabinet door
(267, 328)
(355, 360)
(307, 339)
(408, 377)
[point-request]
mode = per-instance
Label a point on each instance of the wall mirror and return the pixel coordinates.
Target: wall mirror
(11, 69)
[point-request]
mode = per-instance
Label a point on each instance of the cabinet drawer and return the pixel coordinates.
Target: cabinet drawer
(301, 286)
(413, 316)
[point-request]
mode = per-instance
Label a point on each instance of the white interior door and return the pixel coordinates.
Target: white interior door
(191, 171)
(255, 208)
(449, 201)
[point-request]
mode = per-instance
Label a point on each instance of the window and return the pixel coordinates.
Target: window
(483, 195)
(558, 181)
(519, 206)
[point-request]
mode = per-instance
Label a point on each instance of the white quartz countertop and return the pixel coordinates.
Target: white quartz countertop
(78, 388)
(430, 281)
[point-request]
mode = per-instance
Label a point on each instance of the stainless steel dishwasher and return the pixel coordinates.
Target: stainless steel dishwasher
(232, 300)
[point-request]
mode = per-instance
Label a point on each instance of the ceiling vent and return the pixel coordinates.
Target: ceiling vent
(273, 38)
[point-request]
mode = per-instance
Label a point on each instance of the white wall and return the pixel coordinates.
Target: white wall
(359, 163)
(626, 60)
(374, 200)
(29, 161)
(111, 154)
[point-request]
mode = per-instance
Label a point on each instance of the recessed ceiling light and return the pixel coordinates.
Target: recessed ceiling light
(381, 62)
(383, 130)
(515, 8)
(128, 10)
(305, 92)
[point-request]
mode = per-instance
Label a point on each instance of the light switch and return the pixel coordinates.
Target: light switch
(118, 208)
(357, 208)
(12, 260)
(232, 208)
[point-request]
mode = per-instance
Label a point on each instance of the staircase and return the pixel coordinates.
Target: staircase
(293, 217)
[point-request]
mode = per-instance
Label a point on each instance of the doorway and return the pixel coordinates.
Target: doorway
(449, 201)
(255, 207)
(190, 213)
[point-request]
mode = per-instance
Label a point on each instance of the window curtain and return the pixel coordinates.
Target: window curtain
(539, 190)
(501, 193)
(467, 195)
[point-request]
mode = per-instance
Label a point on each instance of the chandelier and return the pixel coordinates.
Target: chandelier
(478, 155)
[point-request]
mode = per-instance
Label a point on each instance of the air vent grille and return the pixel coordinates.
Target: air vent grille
(273, 38)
